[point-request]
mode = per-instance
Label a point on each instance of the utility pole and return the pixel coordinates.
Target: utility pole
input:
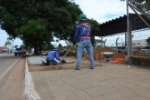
(117, 44)
(128, 33)
(105, 42)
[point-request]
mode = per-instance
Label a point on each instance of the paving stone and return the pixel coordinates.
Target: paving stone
(41, 87)
(82, 94)
(143, 92)
(131, 85)
(65, 95)
(144, 83)
(93, 92)
(54, 83)
(81, 85)
(138, 98)
(122, 95)
(103, 97)
(109, 82)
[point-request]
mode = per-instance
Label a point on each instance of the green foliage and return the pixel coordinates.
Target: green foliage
(8, 22)
(94, 29)
(141, 4)
(7, 43)
(60, 45)
(94, 26)
(35, 21)
(47, 47)
(34, 33)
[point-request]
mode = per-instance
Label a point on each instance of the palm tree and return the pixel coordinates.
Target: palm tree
(8, 44)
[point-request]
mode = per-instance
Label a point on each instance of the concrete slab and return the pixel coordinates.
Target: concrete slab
(35, 59)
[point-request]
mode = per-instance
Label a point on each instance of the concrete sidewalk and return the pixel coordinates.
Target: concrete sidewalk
(108, 82)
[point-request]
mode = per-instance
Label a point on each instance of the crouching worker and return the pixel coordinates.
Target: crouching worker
(52, 57)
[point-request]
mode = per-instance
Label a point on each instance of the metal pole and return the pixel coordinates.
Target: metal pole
(128, 30)
(105, 42)
(102, 43)
(117, 44)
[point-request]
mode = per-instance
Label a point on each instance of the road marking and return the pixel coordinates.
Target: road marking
(8, 69)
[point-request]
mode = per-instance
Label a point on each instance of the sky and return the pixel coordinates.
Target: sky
(102, 10)
(99, 10)
(4, 36)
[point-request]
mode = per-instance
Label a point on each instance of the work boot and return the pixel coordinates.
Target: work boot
(91, 67)
(77, 68)
(43, 63)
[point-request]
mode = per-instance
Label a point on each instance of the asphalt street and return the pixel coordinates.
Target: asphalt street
(12, 71)
(7, 63)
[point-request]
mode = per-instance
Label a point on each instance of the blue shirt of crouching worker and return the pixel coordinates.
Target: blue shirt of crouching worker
(52, 56)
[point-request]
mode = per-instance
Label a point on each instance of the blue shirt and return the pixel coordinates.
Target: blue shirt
(81, 30)
(52, 55)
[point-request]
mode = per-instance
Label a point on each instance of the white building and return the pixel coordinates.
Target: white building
(99, 43)
(139, 43)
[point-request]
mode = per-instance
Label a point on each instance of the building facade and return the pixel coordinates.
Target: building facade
(139, 43)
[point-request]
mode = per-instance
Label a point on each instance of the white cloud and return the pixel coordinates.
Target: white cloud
(18, 42)
(102, 10)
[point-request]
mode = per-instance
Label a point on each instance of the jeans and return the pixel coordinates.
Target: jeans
(53, 62)
(85, 44)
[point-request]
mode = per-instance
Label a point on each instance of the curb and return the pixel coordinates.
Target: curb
(30, 93)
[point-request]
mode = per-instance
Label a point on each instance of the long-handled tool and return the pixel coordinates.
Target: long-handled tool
(67, 52)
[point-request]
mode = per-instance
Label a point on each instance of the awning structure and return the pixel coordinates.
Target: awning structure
(119, 25)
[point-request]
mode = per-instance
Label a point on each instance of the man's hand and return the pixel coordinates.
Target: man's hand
(63, 61)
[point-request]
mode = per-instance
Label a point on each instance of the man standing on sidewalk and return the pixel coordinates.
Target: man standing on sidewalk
(82, 36)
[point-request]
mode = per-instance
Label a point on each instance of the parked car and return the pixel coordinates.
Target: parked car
(146, 49)
(19, 51)
(124, 50)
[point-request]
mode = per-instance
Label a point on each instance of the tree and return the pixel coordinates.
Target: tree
(141, 4)
(94, 29)
(148, 41)
(26, 18)
(8, 44)
(35, 34)
(60, 45)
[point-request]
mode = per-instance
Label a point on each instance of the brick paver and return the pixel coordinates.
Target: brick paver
(109, 82)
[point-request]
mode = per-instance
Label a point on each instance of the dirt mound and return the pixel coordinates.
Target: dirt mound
(99, 56)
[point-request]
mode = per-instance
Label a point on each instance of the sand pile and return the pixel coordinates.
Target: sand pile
(99, 56)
